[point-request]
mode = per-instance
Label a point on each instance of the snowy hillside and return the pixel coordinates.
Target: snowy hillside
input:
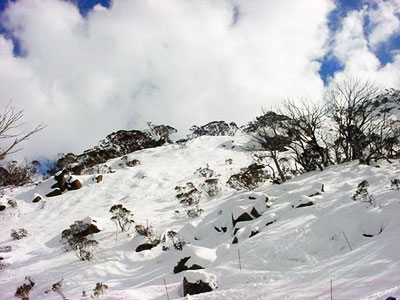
(292, 239)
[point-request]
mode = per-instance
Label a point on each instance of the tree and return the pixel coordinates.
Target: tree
(160, 133)
(122, 217)
(10, 136)
(271, 135)
(350, 103)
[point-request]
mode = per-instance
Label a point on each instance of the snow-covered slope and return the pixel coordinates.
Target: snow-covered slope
(293, 252)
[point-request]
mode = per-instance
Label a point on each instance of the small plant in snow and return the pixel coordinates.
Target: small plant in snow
(362, 194)
(99, 290)
(211, 187)
(12, 203)
(19, 234)
(229, 161)
(188, 195)
(121, 216)
(57, 288)
(23, 291)
(176, 240)
(395, 184)
(205, 172)
(194, 212)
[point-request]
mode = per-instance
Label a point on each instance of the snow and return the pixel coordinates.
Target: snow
(295, 257)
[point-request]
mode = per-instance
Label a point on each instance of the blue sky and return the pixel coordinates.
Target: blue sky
(329, 63)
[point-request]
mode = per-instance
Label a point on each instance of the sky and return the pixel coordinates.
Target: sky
(86, 68)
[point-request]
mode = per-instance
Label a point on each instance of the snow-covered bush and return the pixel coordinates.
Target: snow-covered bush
(121, 216)
(211, 187)
(362, 194)
(249, 177)
(99, 290)
(23, 291)
(58, 289)
(194, 212)
(188, 195)
(19, 234)
(205, 172)
(395, 184)
(215, 128)
(177, 241)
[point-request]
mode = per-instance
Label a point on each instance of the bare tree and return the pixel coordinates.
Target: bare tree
(304, 126)
(10, 123)
(350, 104)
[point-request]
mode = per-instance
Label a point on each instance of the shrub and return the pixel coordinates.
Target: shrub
(57, 288)
(361, 194)
(23, 291)
(204, 172)
(13, 203)
(99, 290)
(194, 212)
(249, 177)
(176, 240)
(211, 187)
(395, 184)
(19, 234)
(188, 195)
(121, 216)
(16, 174)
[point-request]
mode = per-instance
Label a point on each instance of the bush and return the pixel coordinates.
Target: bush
(194, 212)
(176, 240)
(362, 195)
(23, 291)
(16, 174)
(395, 184)
(204, 172)
(19, 234)
(188, 195)
(211, 187)
(57, 288)
(99, 290)
(249, 178)
(121, 216)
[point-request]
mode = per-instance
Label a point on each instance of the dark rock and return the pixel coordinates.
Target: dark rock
(390, 298)
(75, 185)
(2, 207)
(252, 198)
(235, 240)
(242, 218)
(56, 192)
(99, 178)
(253, 233)
(193, 288)
(217, 229)
(235, 230)
(77, 170)
(90, 229)
(181, 266)
(37, 199)
(315, 194)
(145, 246)
(270, 223)
(224, 229)
(368, 235)
(54, 186)
(305, 204)
(255, 213)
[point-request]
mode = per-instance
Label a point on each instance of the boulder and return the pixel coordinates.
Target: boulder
(37, 199)
(241, 218)
(255, 213)
(2, 207)
(181, 266)
(197, 282)
(145, 246)
(85, 227)
(75, 185)
(99, 178)
(56, 192)
(253, 233)
(310, 203)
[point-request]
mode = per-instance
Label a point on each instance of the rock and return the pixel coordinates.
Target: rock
(305, 204)
(368, 235)
(145, 246)
(217, 229)
(390, 298)
(224, 229)
(197, 282)
(2, 207)
(56, 192)
(253, 233)
(99, 178)
(242, 218)
(255, 213)
(270, 223)
(75, 185)
(235, 240)
(181, 266)
(84, 228)
(37, 199)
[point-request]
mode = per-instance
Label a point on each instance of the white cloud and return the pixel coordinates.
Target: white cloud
(176, 62)
(355, 52)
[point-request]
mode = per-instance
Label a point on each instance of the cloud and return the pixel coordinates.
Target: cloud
(176, 62)
(354, 46)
